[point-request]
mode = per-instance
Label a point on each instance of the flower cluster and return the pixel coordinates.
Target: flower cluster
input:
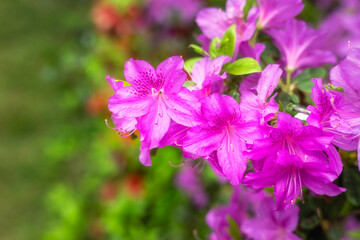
(239, 124)
(253, 213)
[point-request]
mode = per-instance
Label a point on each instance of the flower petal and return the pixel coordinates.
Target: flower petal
(172, 74)
(320, 186)
(154, 125)
(183, 108)
(141, 75)
(213, 22)
(202, 141)
(127, 103)
(231, 159)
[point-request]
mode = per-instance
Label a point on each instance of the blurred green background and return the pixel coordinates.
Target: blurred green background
(32, 38)
(64, 174)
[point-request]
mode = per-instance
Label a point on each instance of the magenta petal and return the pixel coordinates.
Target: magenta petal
(273, 13)
(124, 125)
(234, 8)
(231, 160)
(125, 103)
(335, 162)
(218, 104)
(154, 125)
(201, 141)
(172, 74)
(268, 81)
(259, 180)
(213, 22)
(141, 75)
(183, 108)
(358, 155)
(320, 186)
(114, 84)
(145, 155)
(175, 135)
(259, 228)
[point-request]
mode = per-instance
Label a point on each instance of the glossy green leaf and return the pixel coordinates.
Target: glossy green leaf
(352, 183)
(198, 49)
(227, 43)
(243, 66)
(189, 84)
(303, 80)
(189, 64)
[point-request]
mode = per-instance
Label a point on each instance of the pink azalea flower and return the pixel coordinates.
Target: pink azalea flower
(300, 46)
(242, 202)
(321, 116)
(214, 22)
(154, 98)
(270, 224)
(162, 11)
(339, 28)
(188, 180)
(294, 156)
(256, 101)
(273, 13)
(224, 130)
(347, 120)
(206, 75)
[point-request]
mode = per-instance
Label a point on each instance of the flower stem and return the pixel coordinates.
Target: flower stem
(254, 38)
(288, 80)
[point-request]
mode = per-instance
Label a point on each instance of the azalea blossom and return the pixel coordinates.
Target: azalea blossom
(273, 13)
(270, 224)
(339, 26)
(163, 11)
(256, 100)
(294, 156)
(224, 130)
(324, 114)
(242, 202)
(206, 76)
(300, 46)
(214, 22)
(347, 105)
(154, 98)
(188, 180)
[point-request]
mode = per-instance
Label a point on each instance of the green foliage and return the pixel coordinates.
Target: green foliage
(352, 183)
(243, 66)
(303, 80)
(198, 49)
(225, 46)
(189, 64)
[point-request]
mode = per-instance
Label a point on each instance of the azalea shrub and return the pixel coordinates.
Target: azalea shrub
(244, 116)
(269, 105)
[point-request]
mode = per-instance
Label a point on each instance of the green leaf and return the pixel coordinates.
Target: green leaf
(310, 222)
(198, 49)
(126, 84)
(352, 183)
(331, 87)
(189, 64)
(213, 50)
(243, 66)
(303, 80)
(249, 4)
(294, 98)
(289, 108)
(355, 234)
(189, 84)
(281, 107)
(227, 43)
(234, 229)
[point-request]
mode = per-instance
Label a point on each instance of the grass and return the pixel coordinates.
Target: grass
(32, 36)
